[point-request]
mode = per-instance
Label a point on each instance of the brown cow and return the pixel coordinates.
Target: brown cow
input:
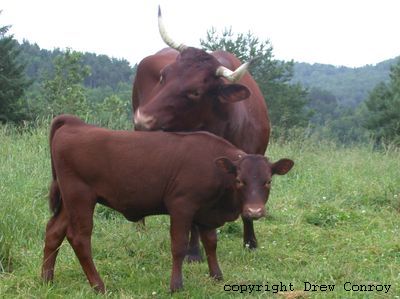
(141, 174)
(187, 89)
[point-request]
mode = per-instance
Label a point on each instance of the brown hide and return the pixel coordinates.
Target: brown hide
(141, 174)
(180, 92)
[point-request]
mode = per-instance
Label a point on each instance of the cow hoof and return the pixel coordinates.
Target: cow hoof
(140, 225)
(250, 244)
(194, 258)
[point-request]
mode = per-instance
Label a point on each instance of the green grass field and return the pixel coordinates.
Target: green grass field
(334, 219)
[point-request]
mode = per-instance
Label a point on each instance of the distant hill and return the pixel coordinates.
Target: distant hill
(104, 71)
(349, 85)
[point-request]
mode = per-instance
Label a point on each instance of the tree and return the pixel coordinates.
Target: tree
(12, 78)
(286, 102)
(64, 92)
(323, 104)
(383, 104)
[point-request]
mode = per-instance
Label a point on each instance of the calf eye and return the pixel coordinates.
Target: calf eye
(239, 183)
(268, 183)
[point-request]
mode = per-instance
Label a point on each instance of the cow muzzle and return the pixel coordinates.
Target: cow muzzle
(253, 212)
(143, 122)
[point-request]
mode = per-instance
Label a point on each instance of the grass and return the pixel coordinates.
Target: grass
(333, 219)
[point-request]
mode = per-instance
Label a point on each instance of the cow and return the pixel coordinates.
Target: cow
(140, 174)
(182, 88)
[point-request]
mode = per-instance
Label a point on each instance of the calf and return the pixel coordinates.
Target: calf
(193, 177)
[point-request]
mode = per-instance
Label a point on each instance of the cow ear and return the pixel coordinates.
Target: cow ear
(282, 166)
(225, 164)
(230, 93)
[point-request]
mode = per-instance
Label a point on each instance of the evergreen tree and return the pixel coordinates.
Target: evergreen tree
(286, 102)
(383, 117)
(12, 78)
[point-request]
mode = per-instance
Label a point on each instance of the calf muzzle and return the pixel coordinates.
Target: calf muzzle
(253, 212)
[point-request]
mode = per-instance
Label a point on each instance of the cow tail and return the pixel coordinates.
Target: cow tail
(55, 200)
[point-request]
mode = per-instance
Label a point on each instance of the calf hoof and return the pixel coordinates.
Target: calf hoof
(47, 276)
(176, 287)
(217, 276)
(99, 288)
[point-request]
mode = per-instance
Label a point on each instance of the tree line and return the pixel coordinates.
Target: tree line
(38, 83)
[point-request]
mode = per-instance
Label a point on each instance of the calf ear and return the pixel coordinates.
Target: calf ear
(230, 93)
(225, 164)
(282, 166)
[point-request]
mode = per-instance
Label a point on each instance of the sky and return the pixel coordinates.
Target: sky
(351, 33)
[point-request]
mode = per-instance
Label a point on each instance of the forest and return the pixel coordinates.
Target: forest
(335, 102)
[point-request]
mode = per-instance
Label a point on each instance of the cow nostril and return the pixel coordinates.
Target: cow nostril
(143, 121)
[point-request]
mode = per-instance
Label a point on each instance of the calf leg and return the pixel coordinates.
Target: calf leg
(194, 254)
(55, 233)
(209, 240)
(79, 236)
(179, 243)
(249, 238)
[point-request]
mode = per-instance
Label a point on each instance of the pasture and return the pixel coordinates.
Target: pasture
(334, 219)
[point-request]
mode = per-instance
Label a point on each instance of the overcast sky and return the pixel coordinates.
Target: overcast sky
(339, 32)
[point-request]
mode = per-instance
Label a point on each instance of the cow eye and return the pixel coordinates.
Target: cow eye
(162, 76)
(194, 95)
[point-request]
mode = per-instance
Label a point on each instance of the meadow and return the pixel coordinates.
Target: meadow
(333, 220)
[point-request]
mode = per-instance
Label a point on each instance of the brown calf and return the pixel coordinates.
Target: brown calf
(194, 177)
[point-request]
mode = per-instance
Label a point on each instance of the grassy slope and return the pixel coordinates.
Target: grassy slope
(333, 219)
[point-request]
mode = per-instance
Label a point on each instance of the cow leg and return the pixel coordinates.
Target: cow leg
(56, 230)
(140, 224)
(79, 236)
(180, 227)
(249, 238)
(194, 253)
(209, 240)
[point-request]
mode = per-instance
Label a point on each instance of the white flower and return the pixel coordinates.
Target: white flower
(154, 293)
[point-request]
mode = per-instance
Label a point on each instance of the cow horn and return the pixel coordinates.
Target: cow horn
(164, 35)
(234, 76)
